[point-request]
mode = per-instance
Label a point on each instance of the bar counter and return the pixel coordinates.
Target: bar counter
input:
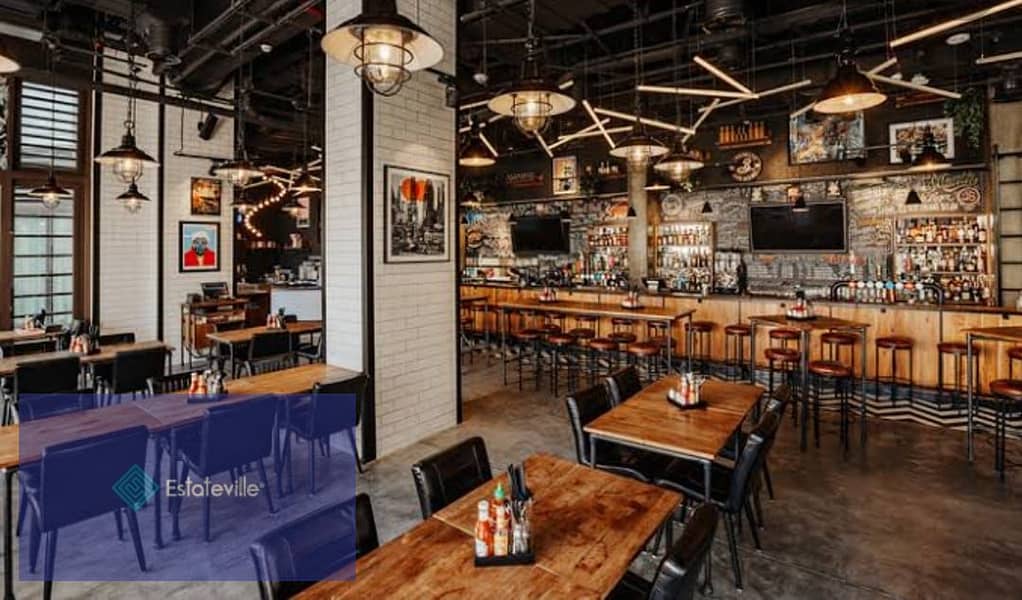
(926, 324)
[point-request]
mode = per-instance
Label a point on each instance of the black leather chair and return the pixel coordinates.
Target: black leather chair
(311, 548)
(730, 488)
(77, 483)
(444, 477)
(109, 339)
(43, 376)
(623, 384)
(105, 371)
(678, 575)
(136, 371)
(268, 351)
(584, 407)
(229, 437)
(172, 383)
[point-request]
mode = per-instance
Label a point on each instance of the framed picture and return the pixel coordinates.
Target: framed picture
(416, 215)
(815, 139)
(565, 175)
(907, 138)
(198, 246)
(206, 195)
(302, 220)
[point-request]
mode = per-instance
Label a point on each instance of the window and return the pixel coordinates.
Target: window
(43, 272)
(49, 124)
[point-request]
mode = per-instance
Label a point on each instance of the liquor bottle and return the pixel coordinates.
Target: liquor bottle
(484, 531)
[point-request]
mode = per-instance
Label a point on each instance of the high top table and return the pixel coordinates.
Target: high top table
(993, 334)
(806, 327)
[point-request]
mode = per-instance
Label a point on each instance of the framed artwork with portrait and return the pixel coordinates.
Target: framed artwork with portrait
(206, 196)
(198, 246)
(416, 215)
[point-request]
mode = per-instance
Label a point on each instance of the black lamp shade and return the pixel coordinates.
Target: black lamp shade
(476, 154)
(913, 198)
(930, 158)
(849, 91)
(707, 209)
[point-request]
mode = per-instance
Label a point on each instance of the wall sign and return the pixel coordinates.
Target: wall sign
(565, 169)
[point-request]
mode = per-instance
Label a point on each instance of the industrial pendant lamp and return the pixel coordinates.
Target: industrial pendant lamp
(133, 199)
(638, 148)
(533, 99)
(656, 183)
(680, 162)
(475, 154)
(913, 198)
(384, 47)
(51, 193)
(127, 161)
(930, 159)
(240, 170)
(8, 63)
(849, 90)
(305, 183)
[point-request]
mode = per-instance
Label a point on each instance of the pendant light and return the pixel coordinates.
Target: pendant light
(475, 154)
(384, 47)
(533, 99)
(656, 183)
(305, 184)
(133, 199)
(127, 161)
(680, 161)
(240, 170)
(51, 193)
(707, 209)
(8, 63)
(638, 148)
(913, 198)
(930, 159)
(849, 90)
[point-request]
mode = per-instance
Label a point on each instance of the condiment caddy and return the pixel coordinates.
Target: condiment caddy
(631, 301)
(276, 320)
(208, 386)
(548, 295)
(503, 534)
(802, 309)
(688, 394)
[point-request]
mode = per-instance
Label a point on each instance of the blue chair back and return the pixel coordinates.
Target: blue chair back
(40, 406)
(236, 434)
(77, 478)
(47, 376)
(329, 415)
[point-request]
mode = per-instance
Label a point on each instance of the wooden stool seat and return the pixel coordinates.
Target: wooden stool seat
(603, 344)
(560, 339)
(783, 333)
(894, 342)
(622, 322)
(700, 326)
(587, 319)
(829, 368)
(783, 354)
(644, 349)
(526, 335)
(1008, 389)
(582, 333)
(622, 337)
(838, 338)
(956, 348)
(548, 329)
(738, 329)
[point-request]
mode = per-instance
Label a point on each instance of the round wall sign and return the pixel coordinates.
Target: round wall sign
(745, 166)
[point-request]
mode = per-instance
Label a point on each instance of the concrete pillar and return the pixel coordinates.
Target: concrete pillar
(638, 253)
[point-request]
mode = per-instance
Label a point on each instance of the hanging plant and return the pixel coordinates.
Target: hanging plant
(968, 115)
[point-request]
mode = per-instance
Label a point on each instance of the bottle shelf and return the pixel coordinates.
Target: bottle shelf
(940, 245)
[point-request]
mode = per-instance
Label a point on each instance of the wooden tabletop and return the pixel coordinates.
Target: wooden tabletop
(24, 335)
(587, 525)
(434, 560)
(650, 421)
(23, 444)
(242, 336)
(106, 354)
(174, 410)
(646, 313)
(1002, 334)
(819, 322)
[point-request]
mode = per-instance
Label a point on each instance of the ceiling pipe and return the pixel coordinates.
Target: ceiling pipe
(281, 22)
(218, 21)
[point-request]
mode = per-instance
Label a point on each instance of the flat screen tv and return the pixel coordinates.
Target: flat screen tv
(541, 235)
(776, 228)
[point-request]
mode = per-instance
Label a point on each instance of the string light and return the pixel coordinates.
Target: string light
(269, 201)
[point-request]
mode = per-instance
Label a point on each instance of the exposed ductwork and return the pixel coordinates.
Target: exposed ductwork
(724, 14)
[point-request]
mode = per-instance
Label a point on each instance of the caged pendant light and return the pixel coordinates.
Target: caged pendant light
(305, 184)
(239, 171)
(638, 148)
(51, 193)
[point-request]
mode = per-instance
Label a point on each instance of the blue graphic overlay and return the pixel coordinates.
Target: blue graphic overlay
(179, 488)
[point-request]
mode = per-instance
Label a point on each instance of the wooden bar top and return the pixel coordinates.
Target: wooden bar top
(646, 313)
(472, 299)
(587, 525)
(26, 335)
(820, 322)
(106, 354)
(1001, 334)
(435, 560)
(242, 336)
(649, 420)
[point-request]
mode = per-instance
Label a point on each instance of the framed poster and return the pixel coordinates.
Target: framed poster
(565, 175)
(416, 215)
(198, 246)
(206, 196)
(815, 139)
(907, 138)
(302, 219)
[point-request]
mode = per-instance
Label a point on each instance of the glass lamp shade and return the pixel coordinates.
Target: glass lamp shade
(238, 172)
(384, 47)
(531, 102)
(638, 149)
(476, 155)
(305, 184)
(849, 91)
(930, 159)
(8, 63)
(133, 199)
(51, 193)
(127, 161)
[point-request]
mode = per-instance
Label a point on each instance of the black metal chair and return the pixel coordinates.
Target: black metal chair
(136, 371)
(730, 488)
(445, 476)
(292, 557)
(109, 339)
(311, 351)
(171, 383)
(584, 407)
(105, 371)
(268, 351)
(59, 375)
(678, 575)
(229, 437)
(320, 417)
(623, 384)
(77, 482)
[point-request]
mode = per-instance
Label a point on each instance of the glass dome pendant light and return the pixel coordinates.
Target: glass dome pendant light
(240, 170)
(305, 183)
(133, 199)
(384, 47)
(51, 193)
(127, 161)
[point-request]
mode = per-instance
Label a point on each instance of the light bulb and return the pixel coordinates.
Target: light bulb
(133, 205)
(638, 156)
(128, 169)
(384, 58)
(50, 200)
(531, 112)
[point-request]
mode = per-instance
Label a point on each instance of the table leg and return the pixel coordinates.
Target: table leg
(176, 533)
(707, 495)
(752, 352)
(805, 389)
(8, 535)
(670, 356)
(688, 342)
(157, 477)
(862, 390)
(969, 386)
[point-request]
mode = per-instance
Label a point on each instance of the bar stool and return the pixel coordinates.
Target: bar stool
(551, 323)
(700, 332)
(623, 333)
(644, 355)
(784, 336)
(1013, 355)
(833, 343)
(735, 336)
(840, 376)
(601, 349)
(561, 348)
(661, 342)
(788, 360)
(656, 329)
(588, 322)
(894, 344)
(524, 343)
(1007, 402)
(958, 351)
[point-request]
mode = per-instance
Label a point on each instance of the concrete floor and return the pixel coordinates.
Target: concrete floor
(906, 518)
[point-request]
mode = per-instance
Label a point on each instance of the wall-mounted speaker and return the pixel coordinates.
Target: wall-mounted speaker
(207, 126)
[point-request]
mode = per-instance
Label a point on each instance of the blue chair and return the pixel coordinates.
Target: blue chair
(302, 552)
(76, 483)
(230, 437)
(321, 417)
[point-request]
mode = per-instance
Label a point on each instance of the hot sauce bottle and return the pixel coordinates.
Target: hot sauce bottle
(484, 531)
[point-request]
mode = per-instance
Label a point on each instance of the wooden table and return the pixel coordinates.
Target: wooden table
(238, 337)
(609, 311)
(994, 334)
(12, 336)
(805, 328)
(106, 354)
(587, 526)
